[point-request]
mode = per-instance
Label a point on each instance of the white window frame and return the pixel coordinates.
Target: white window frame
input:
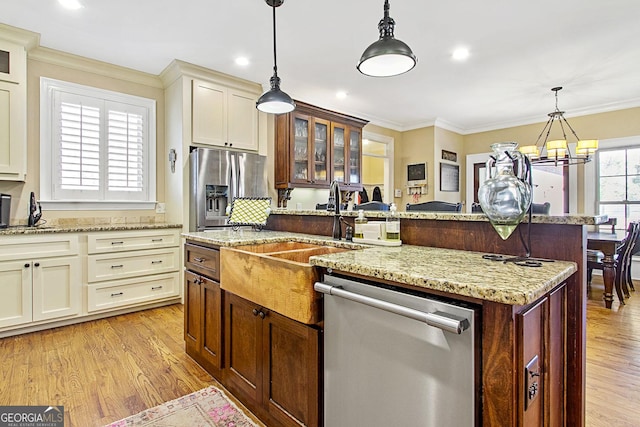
(52, 199)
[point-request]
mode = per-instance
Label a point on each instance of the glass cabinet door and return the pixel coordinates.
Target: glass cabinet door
(300, 153)
(320, 152)
(355, 157)
(339, 157)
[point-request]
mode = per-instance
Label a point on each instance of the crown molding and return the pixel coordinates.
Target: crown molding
(56, 57)
(26, 38)
(178, 68)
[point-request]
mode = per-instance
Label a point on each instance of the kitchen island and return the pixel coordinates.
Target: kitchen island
(553, 237)
(524, 313)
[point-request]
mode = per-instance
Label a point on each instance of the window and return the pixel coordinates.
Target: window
(618, 177)
(100, 146)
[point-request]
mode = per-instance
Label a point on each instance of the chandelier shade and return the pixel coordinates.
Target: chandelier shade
(275, 101)
(387, 56)
(557, 151)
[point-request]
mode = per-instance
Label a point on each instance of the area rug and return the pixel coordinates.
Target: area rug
(208, 407)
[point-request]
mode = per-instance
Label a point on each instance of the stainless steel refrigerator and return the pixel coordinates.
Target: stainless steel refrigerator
(216, 177)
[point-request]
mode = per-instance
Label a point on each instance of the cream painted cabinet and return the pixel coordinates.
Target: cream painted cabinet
(130, 268)
(36, 283)
(13, 111)
(224, 116)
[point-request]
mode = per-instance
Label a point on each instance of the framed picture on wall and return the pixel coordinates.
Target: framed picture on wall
(449, 155)
(449, 177)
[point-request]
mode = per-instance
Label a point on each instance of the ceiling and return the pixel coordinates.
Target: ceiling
(519, 50)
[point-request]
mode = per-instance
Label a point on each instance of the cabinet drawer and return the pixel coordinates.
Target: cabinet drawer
(132, 240)
(203, 260)
(38, 246)
(130, 264)
(120, 293)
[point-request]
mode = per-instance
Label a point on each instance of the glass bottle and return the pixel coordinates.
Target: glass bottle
(357, 232)
(505, 196)
(393, 224)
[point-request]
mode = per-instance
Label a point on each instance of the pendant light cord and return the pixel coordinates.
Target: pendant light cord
(275, 60)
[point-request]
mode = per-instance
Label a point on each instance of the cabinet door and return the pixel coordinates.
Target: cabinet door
(192, 313)
(57, 290)
(291, 370)
(355, 157)
(209, 113)
(243, 350)
(12, 131)
(320, 152)
(533, 363)
(243, 120)
(211, 314)
(15, 289)
(339, 150)
(300, 153)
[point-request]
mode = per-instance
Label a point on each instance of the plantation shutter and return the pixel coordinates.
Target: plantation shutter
(125, 150)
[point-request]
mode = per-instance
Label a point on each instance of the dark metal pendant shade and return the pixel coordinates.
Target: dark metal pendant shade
(275, 101)
(388, 56)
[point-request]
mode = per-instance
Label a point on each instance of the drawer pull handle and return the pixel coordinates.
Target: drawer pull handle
(118, 294)
(36, 264)
(156, 262)
(155, 288)
(156, 240)
(117, 266)
(27, 265)
(199, 259)
(117, 243)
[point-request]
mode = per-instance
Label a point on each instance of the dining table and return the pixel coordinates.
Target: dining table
(608, 243)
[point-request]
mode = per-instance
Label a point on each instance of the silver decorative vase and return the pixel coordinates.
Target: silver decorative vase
(505, 196)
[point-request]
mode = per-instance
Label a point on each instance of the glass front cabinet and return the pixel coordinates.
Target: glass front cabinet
(315, 146)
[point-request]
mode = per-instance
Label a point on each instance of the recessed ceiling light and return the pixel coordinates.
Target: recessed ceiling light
(242, 61)
(460, 54)
(341, 94)
(71, 4)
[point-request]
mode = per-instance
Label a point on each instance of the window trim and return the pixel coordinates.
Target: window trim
(48, 87)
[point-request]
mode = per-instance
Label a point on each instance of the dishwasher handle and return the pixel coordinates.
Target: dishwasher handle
(438, 319)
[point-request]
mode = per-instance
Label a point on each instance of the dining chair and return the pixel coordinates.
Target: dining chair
(634, 250)
(476, 208)
(435, 206)
(540, 208)
(372, 206)
(622, 259)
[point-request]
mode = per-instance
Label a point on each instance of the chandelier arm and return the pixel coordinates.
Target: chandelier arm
(570, 128)
(543, 129)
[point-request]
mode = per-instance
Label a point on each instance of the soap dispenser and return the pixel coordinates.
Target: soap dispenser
(359, 221)
(393, 224)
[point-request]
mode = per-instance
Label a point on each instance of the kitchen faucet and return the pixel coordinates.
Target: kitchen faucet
(334, 205)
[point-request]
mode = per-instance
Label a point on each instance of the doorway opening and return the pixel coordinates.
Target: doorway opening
(377, 165)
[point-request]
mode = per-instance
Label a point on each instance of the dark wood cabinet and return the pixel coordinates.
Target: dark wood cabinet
(272, 364)
(203, 309)
(315, 146)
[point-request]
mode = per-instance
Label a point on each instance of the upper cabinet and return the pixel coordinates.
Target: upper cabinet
(223, 116)
(315, 146)
(14, 44)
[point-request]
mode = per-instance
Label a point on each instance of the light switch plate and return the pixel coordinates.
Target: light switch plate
(160, 208)
(398, 192)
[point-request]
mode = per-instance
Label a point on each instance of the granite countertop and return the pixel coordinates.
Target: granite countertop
(463, 273)
(577, 219)
(24, 230)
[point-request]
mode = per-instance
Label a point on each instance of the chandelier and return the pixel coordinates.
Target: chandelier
(557, 151)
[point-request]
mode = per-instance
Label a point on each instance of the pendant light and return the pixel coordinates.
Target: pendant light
(274, 100)
(388, 56)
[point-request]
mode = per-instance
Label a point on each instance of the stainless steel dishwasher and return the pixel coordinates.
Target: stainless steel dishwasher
(393, 357)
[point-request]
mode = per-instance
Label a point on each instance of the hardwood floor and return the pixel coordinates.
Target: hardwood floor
(108, 369)
(613, 361)
(104, 370)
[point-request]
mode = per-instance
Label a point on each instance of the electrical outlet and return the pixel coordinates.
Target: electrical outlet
(531, 380)
(160, 208)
